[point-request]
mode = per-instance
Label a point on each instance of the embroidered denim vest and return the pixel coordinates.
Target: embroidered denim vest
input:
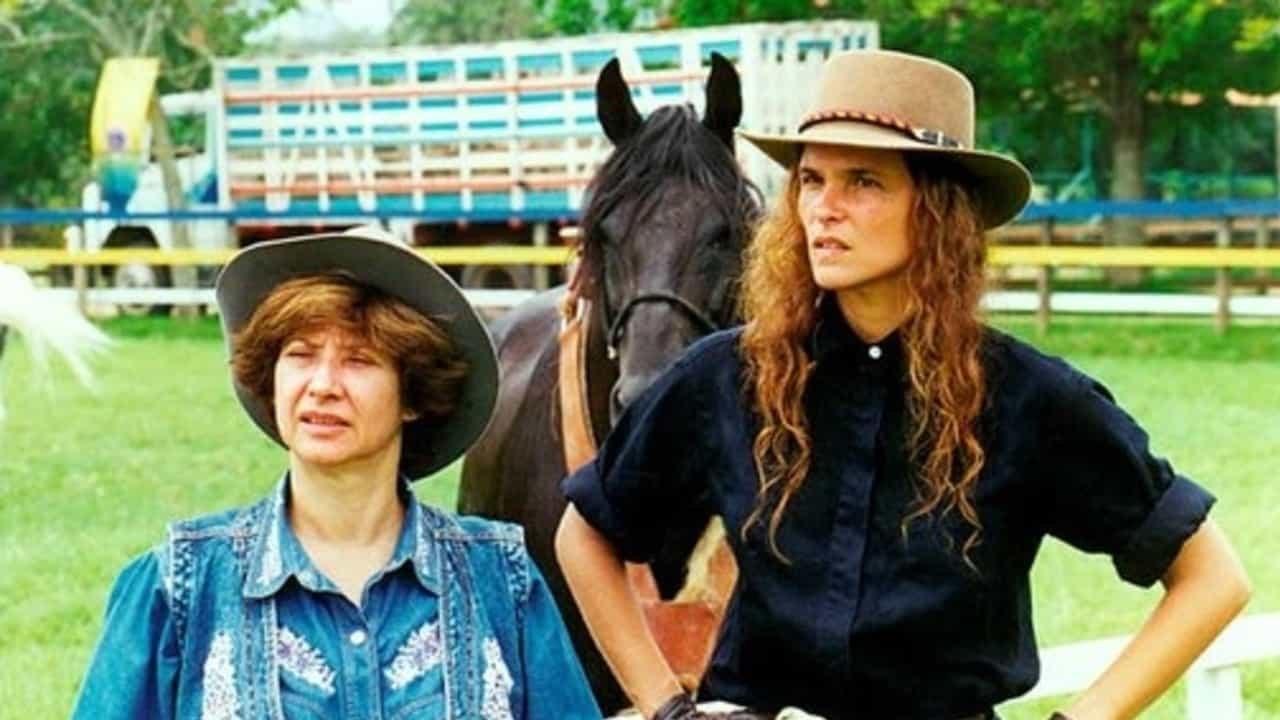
(230, 620)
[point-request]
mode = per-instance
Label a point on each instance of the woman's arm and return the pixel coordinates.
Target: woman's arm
(598, 580)
(1205, 587)
(134, 669)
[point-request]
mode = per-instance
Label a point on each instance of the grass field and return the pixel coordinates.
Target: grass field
(86, 481)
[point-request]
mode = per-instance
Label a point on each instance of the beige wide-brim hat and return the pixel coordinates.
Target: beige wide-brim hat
(896, 101)
(372, 257)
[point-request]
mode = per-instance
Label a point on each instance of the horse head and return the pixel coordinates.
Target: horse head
(667, 219)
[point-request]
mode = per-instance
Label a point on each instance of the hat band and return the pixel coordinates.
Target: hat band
(924, 135)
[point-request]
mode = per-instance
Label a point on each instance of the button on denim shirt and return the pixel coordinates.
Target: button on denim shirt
(230, 619)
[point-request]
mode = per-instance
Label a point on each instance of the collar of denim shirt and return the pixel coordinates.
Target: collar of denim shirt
(276, 554)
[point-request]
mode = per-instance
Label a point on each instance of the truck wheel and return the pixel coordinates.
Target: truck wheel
(497, 277)
(139, 276)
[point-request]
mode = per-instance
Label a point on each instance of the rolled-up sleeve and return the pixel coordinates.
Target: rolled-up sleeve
(1107, 493)
(644, 479)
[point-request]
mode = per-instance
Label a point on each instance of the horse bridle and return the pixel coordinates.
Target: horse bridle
(618, 326)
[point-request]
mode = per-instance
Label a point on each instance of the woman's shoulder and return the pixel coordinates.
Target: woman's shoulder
(494, 550)
(477, 535)
(710, 356)
(472, 528)
(227, 522)
(1015, 362)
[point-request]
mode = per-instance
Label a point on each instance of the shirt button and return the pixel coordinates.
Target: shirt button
(875, 352)
(357, 637)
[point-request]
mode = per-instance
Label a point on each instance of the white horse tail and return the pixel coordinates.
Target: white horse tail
(47, 325)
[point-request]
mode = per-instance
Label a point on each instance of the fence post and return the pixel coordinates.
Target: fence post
(1261, 239)
(1223, 318)
(79, 272)
(541, 236)
(1044, 281)
(1215, 694)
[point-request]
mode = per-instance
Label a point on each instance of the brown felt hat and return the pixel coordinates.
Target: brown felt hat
(372, 257)
(896, 101)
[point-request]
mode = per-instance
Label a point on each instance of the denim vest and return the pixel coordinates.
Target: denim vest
(229, 619)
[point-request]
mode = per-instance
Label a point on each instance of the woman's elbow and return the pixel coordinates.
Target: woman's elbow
(573, 539)
(1238, 589)
(1209, 562)
(565, 531)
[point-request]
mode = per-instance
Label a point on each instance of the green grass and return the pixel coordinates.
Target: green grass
(86, 481)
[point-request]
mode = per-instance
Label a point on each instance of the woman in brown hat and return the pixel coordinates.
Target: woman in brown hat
(886, 465)
(339, 595)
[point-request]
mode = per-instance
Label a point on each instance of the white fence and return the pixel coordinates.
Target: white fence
(1000, 301)
(1214, 690)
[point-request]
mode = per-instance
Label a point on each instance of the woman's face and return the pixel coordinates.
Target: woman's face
(855, 205)
(337, 401)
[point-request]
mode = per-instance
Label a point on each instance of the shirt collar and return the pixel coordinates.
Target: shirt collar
(833, 338)
(276, 554)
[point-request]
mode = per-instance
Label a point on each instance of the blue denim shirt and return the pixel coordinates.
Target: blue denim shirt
(230, 619)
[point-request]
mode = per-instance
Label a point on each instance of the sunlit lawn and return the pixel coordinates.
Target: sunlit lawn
(86, 481)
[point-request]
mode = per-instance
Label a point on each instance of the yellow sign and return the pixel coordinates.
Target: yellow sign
(119, 121)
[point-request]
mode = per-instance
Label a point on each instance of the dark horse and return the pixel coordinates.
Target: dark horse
(663, 233)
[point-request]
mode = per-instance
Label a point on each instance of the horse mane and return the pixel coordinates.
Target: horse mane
(671, 145)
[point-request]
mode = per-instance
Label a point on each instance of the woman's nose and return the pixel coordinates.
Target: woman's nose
(323, 377)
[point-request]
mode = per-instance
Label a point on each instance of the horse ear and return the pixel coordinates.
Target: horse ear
(614, 108)
(724, 99)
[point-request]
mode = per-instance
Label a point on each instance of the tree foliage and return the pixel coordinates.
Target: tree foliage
(1153, 74)
(50, 53)
(463, 21)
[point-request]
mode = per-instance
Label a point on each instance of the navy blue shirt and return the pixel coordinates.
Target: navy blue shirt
(864, 621)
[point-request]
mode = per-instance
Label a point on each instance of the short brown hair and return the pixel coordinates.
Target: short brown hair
(429, 364)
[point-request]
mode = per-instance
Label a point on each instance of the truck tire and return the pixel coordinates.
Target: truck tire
(138, 275)
(497, 277)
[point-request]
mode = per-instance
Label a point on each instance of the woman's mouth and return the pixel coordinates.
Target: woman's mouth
(827, 247)
(322, 420)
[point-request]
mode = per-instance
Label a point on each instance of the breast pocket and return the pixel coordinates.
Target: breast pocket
(307, 678)
(413, 675)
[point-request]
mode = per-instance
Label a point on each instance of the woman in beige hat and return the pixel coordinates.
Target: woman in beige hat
(887, 466)
(339, 595)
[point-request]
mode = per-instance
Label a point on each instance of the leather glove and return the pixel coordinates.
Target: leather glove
(678, 707)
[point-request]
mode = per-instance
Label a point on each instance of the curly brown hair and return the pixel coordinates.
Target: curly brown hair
(428, 362)
(941, 336)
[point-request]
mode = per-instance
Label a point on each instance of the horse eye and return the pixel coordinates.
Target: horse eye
(721, 239)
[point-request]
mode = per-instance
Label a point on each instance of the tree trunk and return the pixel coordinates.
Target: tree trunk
(175, 197)
(1128, 128)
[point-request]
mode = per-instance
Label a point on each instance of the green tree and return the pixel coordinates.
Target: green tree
(463, 21)
(52, 50)
(1118, 58)
(44, 112)
(1040, 66)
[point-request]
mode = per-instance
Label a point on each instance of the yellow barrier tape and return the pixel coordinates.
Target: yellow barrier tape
(1134, 256)
(520, 255)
